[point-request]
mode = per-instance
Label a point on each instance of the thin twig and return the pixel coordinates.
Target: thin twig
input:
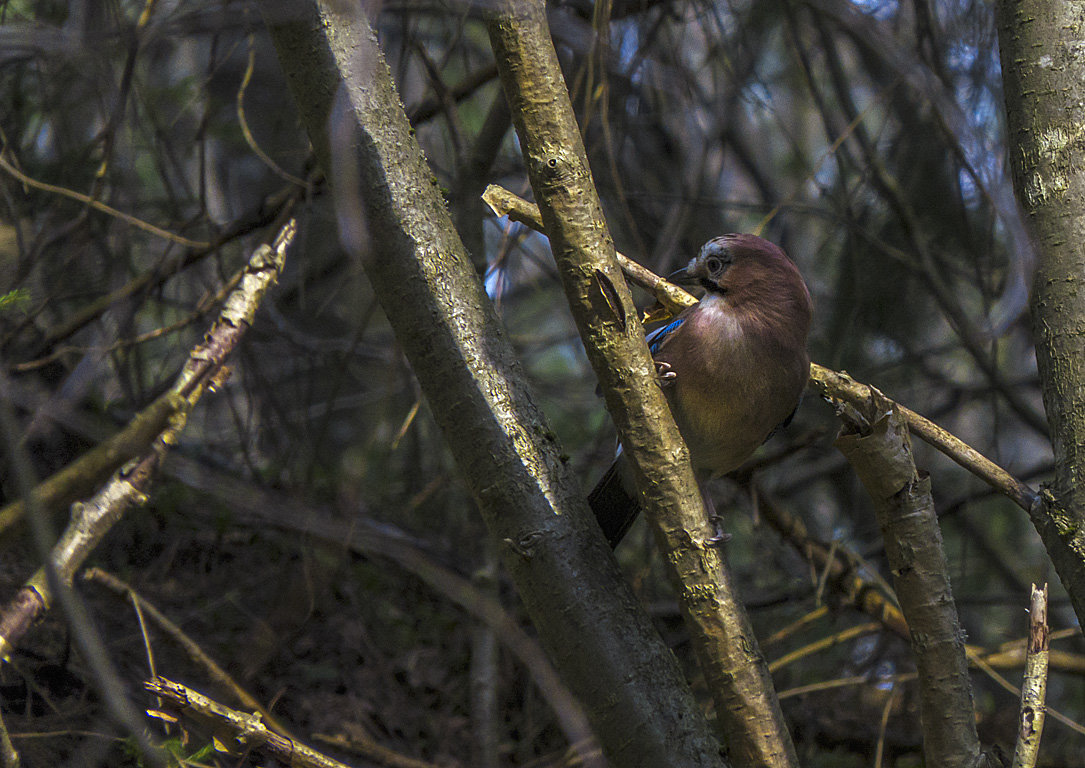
(99, 206)
(203, 371)
(833, 385)
(236, 732)
(211, 668)
(1034, 687)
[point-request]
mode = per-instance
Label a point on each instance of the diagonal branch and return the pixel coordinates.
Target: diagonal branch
(875, 441)
(830, 384)
(602, 307)
(203, 371)
(602, 642)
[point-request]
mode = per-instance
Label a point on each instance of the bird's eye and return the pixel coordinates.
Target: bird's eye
(714, 265)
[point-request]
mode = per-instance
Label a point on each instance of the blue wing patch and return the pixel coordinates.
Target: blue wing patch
(656, 338)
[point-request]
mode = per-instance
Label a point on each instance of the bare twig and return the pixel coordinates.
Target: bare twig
(506, 203)
(833, 385)
(86, 473)
(204, 370)
(1034, 687)
(247, 132)
(216, 673)
(825, 643)
(840, 386)
(235, 732)
(97, 205)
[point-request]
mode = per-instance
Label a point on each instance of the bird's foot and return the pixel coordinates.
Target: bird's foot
(665, 374)
(718, 540)
(716, 520)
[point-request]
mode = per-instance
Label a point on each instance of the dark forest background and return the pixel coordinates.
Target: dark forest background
(867, 138)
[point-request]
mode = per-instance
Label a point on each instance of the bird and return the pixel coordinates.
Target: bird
(733, 366)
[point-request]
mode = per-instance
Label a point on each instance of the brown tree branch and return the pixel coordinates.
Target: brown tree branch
(830, 384)
(1044, 87)
(723, 639)
(129, 485)
(398, 226)
(234, 732)
(876, 443)
(1034, 687)
(90, 470)
(210, 667)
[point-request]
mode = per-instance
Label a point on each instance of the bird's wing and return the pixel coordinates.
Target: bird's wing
(656, 338)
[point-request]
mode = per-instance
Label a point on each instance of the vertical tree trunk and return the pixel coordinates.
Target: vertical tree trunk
(747, 708)
(601, 641)
(1044, 82)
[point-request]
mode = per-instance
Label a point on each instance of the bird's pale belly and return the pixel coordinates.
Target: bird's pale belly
(721, 439)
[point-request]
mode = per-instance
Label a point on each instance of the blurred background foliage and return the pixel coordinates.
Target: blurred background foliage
(865, 136)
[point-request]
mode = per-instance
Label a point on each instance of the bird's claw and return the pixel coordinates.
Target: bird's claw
(717, 540)
(716, 521)
(665, 374)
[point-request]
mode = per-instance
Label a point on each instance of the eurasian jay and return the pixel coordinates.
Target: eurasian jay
(733, 366)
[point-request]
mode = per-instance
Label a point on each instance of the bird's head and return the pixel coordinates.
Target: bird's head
(752, 276)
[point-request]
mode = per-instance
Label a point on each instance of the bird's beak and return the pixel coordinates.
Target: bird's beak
(682, 277)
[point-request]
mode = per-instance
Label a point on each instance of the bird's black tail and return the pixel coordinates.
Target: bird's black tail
(614, 506)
